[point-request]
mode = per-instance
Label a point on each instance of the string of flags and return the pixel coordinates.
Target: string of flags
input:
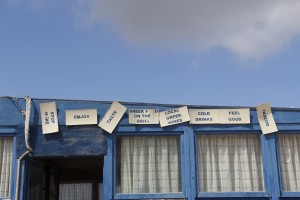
(165, 118)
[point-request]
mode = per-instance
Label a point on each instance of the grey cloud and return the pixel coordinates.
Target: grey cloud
(250, 29)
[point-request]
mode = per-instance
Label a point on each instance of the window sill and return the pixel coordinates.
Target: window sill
(290, 194)
(232, 194)
(150, 196)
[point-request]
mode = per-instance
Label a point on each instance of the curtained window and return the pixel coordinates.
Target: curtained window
(230, 163)
(75, 191)
(289, 148)
(78, 191)
(5, 165)
(150, 164)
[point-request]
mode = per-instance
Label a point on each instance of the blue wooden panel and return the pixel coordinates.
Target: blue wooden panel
(185, 163)
(149, 196)
(291, 194)
(236, 198)
(271, 166)
(196, 163)
(266, 159)
(7, 131)
(281, 115)
(20, 141)
(148, 128)
(114, 167)
(289, 127)
(70, 141)
(232, 194)
(185, 169)
(109, 169)
(148, 133)
(10, 114)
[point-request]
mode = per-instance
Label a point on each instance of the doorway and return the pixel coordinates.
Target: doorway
(64, 178)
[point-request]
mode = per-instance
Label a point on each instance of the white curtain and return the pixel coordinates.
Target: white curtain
(100, 191)
(5, 166)
(150, 164)
(75, 191)
(230, 163)
(289, 148)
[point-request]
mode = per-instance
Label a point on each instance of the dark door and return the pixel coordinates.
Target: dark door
(64, 178)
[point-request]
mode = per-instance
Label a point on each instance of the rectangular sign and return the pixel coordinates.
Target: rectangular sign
(235, 116)
(265, 118)
(49, 117)
(143, 116)
(204, 116)
(174, 116)
(81, 117)
(112, 117)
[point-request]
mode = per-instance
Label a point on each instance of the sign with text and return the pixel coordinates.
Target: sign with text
(112, 117)
(174, 116)
(204, 116)
(49, 117)
(81, 117)
(235, 116)
(143, 116)
(266, 119)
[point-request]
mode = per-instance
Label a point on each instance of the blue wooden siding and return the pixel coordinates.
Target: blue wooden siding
(91, 140)
(69, 141)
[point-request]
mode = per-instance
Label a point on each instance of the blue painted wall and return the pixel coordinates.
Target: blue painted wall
(69, 141)
(91, 140)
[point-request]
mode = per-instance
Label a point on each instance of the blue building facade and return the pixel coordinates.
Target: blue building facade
(145, 161)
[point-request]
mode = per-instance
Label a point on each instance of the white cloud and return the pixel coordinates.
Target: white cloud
(250, 29)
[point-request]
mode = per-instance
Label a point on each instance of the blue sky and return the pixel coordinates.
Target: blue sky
(236, 53)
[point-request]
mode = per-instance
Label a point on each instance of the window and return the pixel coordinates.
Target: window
(230, 163)
(149, 164)
(5, 165)
(289, 148)
(75, 191)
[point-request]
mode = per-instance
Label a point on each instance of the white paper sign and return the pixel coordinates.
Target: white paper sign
(174, 116)
(235, 116)
(143, 116)
(204, 116)
(265, 118)
(81, 117)
(49, 117)
(112, 117)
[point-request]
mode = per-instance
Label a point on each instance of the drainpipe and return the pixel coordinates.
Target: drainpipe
(28, 148)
